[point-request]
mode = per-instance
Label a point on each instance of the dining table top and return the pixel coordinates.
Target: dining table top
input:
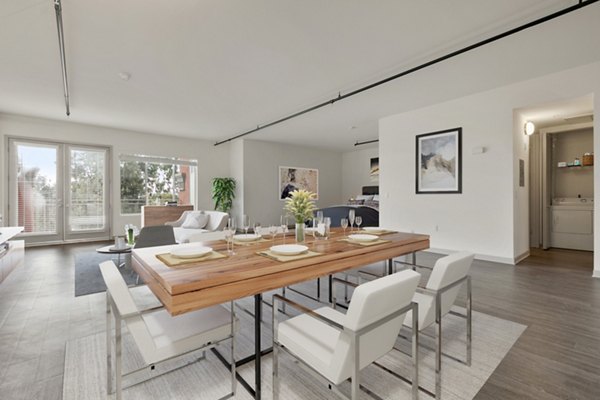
(215, 281)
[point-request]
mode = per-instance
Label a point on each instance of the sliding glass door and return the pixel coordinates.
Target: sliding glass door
(58, 192)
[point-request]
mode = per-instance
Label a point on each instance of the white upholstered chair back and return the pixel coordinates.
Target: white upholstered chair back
(446, 271)
(119, 292)
(371, 302)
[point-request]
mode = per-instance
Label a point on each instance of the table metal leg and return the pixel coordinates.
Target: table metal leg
(330, 289)
(257, 345)
(390, 266)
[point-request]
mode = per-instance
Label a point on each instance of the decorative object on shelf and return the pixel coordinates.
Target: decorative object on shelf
(131, 231)
(588, 159)
(439, 162)
(562, 164)
(292, 178)
(300, 205)
(223, 193)
(577, 162)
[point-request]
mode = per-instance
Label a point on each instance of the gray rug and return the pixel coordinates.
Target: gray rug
(85, 370)
(88, 278)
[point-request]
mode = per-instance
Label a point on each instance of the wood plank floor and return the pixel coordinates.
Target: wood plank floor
(552, 292)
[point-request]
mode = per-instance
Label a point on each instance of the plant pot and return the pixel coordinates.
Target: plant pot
(299, 233)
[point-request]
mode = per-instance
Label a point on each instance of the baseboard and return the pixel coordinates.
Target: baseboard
(596, 273)
(483, 257)
(521, 257)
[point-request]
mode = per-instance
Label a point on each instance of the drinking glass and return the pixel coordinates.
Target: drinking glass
(320, 216)
(245, 223)
(284, 224)
(273, 232)
(358, 220)
(229, 233)
(344, 224)
(351, 219)
(257, 228)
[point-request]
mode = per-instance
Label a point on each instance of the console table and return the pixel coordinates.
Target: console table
(158, 215)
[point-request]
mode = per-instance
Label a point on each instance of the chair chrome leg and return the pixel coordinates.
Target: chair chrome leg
(346, 289)
(233, 375)
(108, 346)
(469, 320)
(118, 360)
(319, 289)
(415, 351)
(275, 354)
(283, 305)
(438, 350)
(356, 368)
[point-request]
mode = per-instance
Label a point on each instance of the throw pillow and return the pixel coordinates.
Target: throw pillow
(195, 220)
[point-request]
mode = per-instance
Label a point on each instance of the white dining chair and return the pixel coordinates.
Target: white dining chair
(159, 336)
(337, 346)
(437, 298)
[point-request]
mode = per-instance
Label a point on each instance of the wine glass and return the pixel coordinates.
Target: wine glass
(351, 219)
(358, 220)
(245, 223)
(257, 228)
(273, 232)
(284, 224)
(229, 233)
(344, 224)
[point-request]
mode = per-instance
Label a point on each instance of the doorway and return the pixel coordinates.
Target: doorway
(59, 192)
(561, 175)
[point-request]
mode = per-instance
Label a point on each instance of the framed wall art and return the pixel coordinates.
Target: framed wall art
(439, 162)
(293, 178)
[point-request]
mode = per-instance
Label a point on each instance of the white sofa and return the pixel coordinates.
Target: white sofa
(217, 221)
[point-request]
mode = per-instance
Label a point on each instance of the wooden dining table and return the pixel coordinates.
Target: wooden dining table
(206, 283)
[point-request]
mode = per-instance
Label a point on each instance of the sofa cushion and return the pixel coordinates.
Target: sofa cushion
(195, 220)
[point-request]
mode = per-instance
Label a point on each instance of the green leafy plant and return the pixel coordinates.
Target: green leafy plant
(223, 193)
(300, 205)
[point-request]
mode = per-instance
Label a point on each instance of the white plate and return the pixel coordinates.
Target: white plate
(363, 238)
(191, 252)
(250, 237)
(374, 229)
(289, 249)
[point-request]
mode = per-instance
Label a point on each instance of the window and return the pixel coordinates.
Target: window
(155, 181)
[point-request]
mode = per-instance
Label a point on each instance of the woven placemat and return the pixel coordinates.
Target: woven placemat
(377, 233)
(278, 257)
(171, 261)
(249, 242)
(371, 243)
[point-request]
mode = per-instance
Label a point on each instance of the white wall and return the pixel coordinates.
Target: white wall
(212, 161)
(261, 176)
(489, 217)
(356, 167)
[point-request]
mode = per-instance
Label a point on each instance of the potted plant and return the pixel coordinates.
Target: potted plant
(300, 205)
(223, 193)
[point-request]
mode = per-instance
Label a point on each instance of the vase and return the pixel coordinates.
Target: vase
(299, 232)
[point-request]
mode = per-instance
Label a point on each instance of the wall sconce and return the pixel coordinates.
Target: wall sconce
(529, 128)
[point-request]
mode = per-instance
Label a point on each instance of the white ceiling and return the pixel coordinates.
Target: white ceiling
(213, 69)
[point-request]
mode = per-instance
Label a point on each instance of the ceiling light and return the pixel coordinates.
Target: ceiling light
(124, 75)
(529, 128)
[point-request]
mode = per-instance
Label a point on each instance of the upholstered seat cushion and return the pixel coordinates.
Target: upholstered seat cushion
(426, 317)
(312, 340)
(186, 332)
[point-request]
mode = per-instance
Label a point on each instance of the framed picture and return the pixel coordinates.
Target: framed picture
(293, 178)
(374, 174)
(439, 162)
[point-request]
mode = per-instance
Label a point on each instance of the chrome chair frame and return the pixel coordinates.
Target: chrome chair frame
(354, 346)
(438, 320)
(111, 309)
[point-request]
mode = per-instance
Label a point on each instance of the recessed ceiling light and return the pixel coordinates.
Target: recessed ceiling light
(529, 128)
(124, 75)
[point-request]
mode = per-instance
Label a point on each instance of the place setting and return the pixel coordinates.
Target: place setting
(189, 254)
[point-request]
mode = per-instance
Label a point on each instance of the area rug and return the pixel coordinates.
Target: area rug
(88, 278)
(85, 365)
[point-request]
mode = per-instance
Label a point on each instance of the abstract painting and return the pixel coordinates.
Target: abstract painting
(293, 178)
(374, 174)
(439, 162)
